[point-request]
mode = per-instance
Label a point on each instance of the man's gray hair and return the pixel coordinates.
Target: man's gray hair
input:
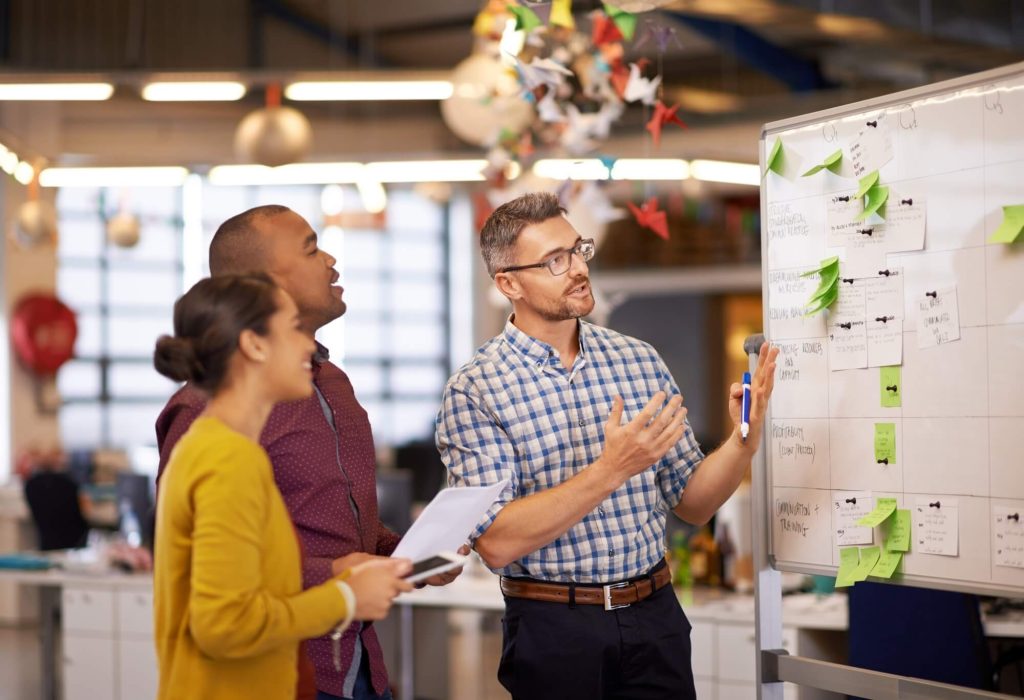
(503, 226)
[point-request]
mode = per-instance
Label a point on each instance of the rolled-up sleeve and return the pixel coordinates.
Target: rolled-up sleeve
(679, 463)
(475, 449)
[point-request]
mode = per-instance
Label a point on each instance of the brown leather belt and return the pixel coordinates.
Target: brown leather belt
(612, 596)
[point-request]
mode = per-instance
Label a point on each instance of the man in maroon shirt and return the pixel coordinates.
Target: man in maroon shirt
(321, 448)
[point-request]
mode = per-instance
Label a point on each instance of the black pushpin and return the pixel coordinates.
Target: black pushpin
(883, 460)
(852, 500)
(865, 231)
(873, 124)
(884, 272)
(937, 504)
(848, 325)
(1015, 517)
(842, 199)
(848, 280)
(908, 202)
(933, 295)
(893, 388)
(884, 319)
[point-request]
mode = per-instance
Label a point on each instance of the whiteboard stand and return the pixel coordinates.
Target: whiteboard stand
(774, 664)
(768, 581)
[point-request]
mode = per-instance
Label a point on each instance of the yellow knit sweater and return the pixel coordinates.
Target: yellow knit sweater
(229, 604)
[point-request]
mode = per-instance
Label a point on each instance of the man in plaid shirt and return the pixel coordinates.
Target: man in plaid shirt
(589, 428)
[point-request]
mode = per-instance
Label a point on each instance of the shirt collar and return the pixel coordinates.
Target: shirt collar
(321, 355)
(537, 350)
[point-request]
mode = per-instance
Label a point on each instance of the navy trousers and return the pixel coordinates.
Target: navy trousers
(641, 652)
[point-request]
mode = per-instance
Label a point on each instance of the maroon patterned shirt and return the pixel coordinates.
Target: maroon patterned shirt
(329, 487)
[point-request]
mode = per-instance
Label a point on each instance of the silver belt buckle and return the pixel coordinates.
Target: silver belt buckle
(608, 595)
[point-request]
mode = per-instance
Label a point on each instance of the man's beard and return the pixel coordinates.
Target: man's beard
(566, 309)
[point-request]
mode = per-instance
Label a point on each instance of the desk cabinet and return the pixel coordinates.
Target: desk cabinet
(108, 644)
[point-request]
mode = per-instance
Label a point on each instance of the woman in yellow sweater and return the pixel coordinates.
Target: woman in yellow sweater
(229, 606)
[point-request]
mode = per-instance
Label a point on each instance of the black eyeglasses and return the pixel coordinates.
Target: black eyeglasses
(560, 262)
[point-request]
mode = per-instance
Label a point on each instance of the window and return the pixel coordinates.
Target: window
(395, 340)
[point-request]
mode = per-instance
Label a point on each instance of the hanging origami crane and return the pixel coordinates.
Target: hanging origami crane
(649, 216)
(663, 115)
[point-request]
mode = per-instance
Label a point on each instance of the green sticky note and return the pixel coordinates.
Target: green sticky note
(874, 203)
(886, 565)
(526, 19)
(884, 507)
(826, 264)
(831, 164)
(775, 158)
(868, 558)
(849, 560)
(889, 385)
(885, 443)
(1013, 224)
(866, 183)
(897, 532)
(829, 279)
(823, 302)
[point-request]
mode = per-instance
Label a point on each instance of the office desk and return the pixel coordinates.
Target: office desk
(54, 583)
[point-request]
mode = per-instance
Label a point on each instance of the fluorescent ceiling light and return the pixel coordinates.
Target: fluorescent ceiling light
(427, 170)
(373, 194)
(367, 90)
(291, 174)
(56, 91)
(622, 169)
(722, 171)
(222, 91)
(113, 177)
(24, 173)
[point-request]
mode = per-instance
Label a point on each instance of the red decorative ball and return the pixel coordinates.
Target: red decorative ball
(43, 332)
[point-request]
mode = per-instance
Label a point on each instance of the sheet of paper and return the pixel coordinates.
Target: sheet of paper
(937, 526)
(847, 340)
(1009, 537)
(884, 507)
(904, 223)
(842, 212)
(938, 318)
(885, 443)
(896, 531)
(847, 509)
(448, 520)
(868, 559)
(872, 148)
(885, 341)
(890, 385)
(887, 564)
(849, 559)
(1010, 229)
(883, 293)
(863, 259)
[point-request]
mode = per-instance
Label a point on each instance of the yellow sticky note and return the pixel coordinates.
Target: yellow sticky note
(886, 565)
(889, 385)
(884, 507)
(885, 443)
(849, 560)
(868, 558)
(897, 532)
(1013, 224)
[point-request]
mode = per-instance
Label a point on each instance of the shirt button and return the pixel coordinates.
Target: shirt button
(582, 422)
(600, 510)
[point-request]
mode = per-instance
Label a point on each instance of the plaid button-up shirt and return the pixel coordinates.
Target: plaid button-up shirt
(514, 412)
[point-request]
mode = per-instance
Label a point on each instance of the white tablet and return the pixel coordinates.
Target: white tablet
(425, 568)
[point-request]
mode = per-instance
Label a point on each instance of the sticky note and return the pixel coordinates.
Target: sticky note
(885, 443)
(1013, 224)
(526, 19)
(889, 385)
(887, 564)
(831, 164)
(868, 558)
(828, 289)
(849, 560)
(897, 532)
(774, 162)
(866, 183)
(884, 507)
(874, 201)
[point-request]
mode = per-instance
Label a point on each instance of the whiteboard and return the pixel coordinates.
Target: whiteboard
(958, 151)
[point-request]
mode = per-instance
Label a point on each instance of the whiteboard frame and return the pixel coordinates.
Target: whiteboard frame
(974, 80)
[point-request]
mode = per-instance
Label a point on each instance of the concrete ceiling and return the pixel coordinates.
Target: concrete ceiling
(740, 63)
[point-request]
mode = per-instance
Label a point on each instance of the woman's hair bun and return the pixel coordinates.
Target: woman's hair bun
(175, 358)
